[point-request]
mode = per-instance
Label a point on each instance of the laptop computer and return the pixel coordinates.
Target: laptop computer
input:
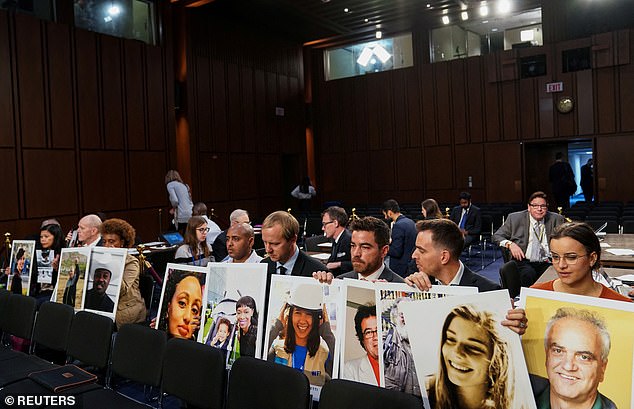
(172, 238)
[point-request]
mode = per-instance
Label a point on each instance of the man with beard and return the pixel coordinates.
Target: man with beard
(368, 247)
(400, 373)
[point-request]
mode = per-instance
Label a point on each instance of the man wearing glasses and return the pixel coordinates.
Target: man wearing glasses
(525, 235)
(333, 222)
(366, 368)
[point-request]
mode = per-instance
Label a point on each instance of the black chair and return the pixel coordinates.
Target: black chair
(510, 278)
(19, 320)
(137, 356)
(195, 373)
(628, 227)
(612, 225)
(254, 383)
(344, 394)
(4, 299)
(312, 243)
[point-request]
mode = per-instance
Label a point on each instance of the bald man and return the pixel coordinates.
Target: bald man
(87, 232)
(240, 238)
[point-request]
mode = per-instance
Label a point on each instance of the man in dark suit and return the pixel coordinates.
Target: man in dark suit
(279, 233)
(468, 219)
(562, 181)
(587, 181)
(525, 235)
(368, 248)
(333, 222)
(438, 247)
(403, 237)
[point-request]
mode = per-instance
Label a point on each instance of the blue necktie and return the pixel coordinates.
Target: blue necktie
(463, 221)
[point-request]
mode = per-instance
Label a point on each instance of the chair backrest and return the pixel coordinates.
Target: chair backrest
(510, 278)
(90, 338)
(52, 325)
(4, 300)
(195, 373)
(138, 354)
(20, 317)
(311, 243)
(344, 394)
(266, 385)
(628, 227)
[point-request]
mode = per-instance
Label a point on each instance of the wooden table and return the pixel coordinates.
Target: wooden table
(617, 241)
(551, 274)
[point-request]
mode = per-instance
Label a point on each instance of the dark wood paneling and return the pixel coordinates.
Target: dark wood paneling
(626, 95)
(413, 107)
(248, 109)
(6, 98)
(61, 86)
(134, 95)
(401, 133)
(458, 101)
(428, 105)
(234, 108)
(214, 167)
(409, 168)
(566, 123)
(605, 100)
(382, 170)
(528, 106)
(201, 117)
(242, 168)
(585, 102)
(112, 92)
(443, 102)
(32, 102)
(469, 163)
(147, 172)
(272, 138)
(157, 108)
(438, 167)
(9, 183)
(503, 172)
(546, 110)
(492, 115)
(614, 170)
(475, 99)
(88, 106)
(49, 180)
(259, 100)
(103, 181)
(509, 110)
(219, 103)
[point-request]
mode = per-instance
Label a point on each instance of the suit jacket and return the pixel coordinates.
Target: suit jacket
(219, 246)
(341, 252)
(471, 279)
(387, 275)
(516, 228)
(360, 370)
(473, 225)
(305, 265)
(402, 246)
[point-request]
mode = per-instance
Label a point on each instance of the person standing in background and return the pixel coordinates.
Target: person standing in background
(562, 181)
(304, 192)
(180, 196)
(587, 180)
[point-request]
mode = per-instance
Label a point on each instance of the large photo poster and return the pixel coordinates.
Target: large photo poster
(19, 271)
(464, 357)
(101, 292)
(579, 350)
(399, 372)
(301, 324)
(234, 312)
(183, 299)
(71, 276)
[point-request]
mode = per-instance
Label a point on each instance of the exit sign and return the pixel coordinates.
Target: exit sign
(554, 87)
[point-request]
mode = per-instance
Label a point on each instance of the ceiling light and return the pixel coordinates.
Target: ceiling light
(494, 29)
(503, 6)
(381, 53)
(484, 9)
(107, 19)
(114, 10)
(378, 26)
(365, 56)
(527, 35)
(378, 34)
(346, 10)
(463, 6)
(464, 15)
(485, 21)
(428, 5)
(445, 19)
(366, 20)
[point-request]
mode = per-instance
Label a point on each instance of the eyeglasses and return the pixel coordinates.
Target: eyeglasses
(324, 224)
(571, 258)
(203, 229)
(535, 206)
(370, 333)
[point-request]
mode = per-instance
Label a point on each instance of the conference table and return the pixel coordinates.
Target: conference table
(617, 241)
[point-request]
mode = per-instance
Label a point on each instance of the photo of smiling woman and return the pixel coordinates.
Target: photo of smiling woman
(299, 345)
(474, 367)
(182, 303)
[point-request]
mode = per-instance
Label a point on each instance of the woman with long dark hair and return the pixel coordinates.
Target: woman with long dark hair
(182, 304)
(180, 197)
(48, 251)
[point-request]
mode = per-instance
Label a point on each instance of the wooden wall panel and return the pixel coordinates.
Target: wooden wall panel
(566, 123)
(219, 103)
(61, 86)
(147, 173)
(546, 110)
(332, 175)
(509, 111)
(458, 101)
(428, 104)
(6, 98)
(443, 102)
(409, 169)
(528, 105)
(413, 108)
(243, 168)
(399, 91)
(202, 100)
(134, 95)
(9, 181)
(469, 162)
(49, 179)
(259, 100)
(234, 109)
(475, 97)
(157, 109)
(614, 169)
(382, 172)
(272, 138)
(585, 102)
(88, 107)
(214, 167)
(362, 142)
(502, 174)
(32, 109)
(626, 99)
(439, 167)
(492, 115)
(248, 109)
(112, 93)
(343, 112)
(357, 179)
(103, 191)
(605, 100)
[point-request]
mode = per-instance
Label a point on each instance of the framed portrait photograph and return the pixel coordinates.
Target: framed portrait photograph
(301, 325)
(399, 371)
(45, 259)
(71, 276)
(234, 310)
(579, 350)
(103, 281)
(464, 357)
(21, 265)
(183, 299)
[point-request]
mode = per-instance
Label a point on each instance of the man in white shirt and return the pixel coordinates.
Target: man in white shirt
(87, 232)
(240, 244)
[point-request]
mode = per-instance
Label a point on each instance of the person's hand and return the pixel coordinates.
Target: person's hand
(516, 320)
(55, 262)
(283, 313)
(324, 314)
(323, 276)
(419, 280)
(194, 324)
(69, 236)
(153, 323)
(333, 265)
(516, 252)
(172, 210)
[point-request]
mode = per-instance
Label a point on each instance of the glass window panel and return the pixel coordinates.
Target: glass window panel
(120, 18)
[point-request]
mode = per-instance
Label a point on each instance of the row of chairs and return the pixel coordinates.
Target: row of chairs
(177, 369)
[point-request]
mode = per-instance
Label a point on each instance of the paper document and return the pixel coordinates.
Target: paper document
(604, 245)
(321, 256)
(621, 252)
(325, 245)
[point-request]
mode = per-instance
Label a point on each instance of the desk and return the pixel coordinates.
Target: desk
(551, 274)
(619, 241)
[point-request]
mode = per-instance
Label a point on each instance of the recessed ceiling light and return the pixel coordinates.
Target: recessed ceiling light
(378, 35)
(346, 10)
(484, 9)
(464, 15)
(445, 20)
(503, 6)
(378, 26)
(485, 21)
(428, 5)
(494, 29)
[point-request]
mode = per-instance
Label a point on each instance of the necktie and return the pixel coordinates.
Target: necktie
(536, 251)
(282, 270)
(463, 220)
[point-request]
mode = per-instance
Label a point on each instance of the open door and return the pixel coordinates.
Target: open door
(538, 157)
